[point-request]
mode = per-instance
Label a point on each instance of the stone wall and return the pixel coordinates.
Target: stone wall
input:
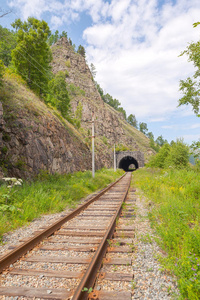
(137, 155)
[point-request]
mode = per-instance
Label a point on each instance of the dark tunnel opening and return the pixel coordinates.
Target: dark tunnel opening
(128, 164)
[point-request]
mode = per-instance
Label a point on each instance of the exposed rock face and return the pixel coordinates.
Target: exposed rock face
(32, 143)
(109, 122)
(32, 138)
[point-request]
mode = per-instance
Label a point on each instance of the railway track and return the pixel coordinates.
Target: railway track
(72, 258)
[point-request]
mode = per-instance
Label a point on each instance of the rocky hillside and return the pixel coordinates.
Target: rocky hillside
(34, 137)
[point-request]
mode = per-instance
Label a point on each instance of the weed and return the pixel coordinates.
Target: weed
(85, 289)
(68, 63)
(48, 194)
(114, 268)
(146, 238)
(175, 216)
(133, 284)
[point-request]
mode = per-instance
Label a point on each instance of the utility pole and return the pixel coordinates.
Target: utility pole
(93, 163)
(114, 159)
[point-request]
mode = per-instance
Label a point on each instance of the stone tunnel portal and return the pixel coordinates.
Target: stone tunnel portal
(128, 164)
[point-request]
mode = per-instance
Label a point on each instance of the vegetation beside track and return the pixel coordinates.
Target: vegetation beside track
(48, 194)
(174, 196)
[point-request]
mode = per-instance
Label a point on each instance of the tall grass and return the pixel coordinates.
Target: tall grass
(48, 194)
(175, 215)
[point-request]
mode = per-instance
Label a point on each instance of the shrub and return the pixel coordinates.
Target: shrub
(175, 155)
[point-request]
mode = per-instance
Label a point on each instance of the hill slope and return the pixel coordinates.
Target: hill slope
(34, 137)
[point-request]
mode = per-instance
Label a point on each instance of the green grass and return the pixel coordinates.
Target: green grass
(175, 215)
(48, 194)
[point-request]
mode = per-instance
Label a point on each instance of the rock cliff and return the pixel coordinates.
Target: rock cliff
(34, 137)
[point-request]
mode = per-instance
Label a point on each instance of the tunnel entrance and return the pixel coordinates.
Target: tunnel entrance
(128, 164)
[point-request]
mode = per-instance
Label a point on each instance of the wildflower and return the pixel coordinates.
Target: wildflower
(193, 269)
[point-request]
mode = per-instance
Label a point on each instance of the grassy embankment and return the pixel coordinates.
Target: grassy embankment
(48, 194)
(175, 216)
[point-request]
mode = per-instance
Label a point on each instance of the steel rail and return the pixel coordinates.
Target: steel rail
(89, 277)
(21, 250)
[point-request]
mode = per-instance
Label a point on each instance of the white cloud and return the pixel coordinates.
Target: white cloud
(134, 45)
(137, 56)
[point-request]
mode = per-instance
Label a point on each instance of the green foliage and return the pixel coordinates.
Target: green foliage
(120, 109)
(121, 147)
(78, 115)
(153, 145)
(160, 141)
(48, 194)
(191, 86)
(175, 216)
(81, 50)
(150, 136)
(132, 120)
(93, 70)
(53, 38)
(32, 55)
(8, 42)
(75, 90)
(143, 127)
(58, 94)
(175, 155)
(178, 156)
(68, 63)
(2, 69)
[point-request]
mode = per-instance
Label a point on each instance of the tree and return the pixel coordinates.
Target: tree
(53, 38)
(132, 120)
(191, 86)
(143, 127)
(32, 55)
(150, 135)
(93, 70)
(175, 155)
(58, 95)
(81, 50)
(8, 42)
(120, 109)
(160, 141)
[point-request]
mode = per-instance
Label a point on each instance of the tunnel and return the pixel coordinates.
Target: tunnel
(128, 164)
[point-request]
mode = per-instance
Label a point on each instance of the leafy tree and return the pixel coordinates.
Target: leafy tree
(175, 155)
(160, 141)
(53, 38)
(1, 71)
(8, 42)
(93, 70)
(100, 90)
(112, 102)
(143, 127)
(132, 120)
(150, 136)
(178, 156)
(159, 159)
(32, 55)
(81, 50)
(153, 145)
(120, 109)
(191, 86)
(58, 95)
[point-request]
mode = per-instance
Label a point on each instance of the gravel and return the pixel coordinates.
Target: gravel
(150, 282)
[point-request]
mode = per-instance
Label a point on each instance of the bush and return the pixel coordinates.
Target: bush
(175, 155)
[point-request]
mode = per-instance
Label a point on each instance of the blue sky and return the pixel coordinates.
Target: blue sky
(135, 47)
